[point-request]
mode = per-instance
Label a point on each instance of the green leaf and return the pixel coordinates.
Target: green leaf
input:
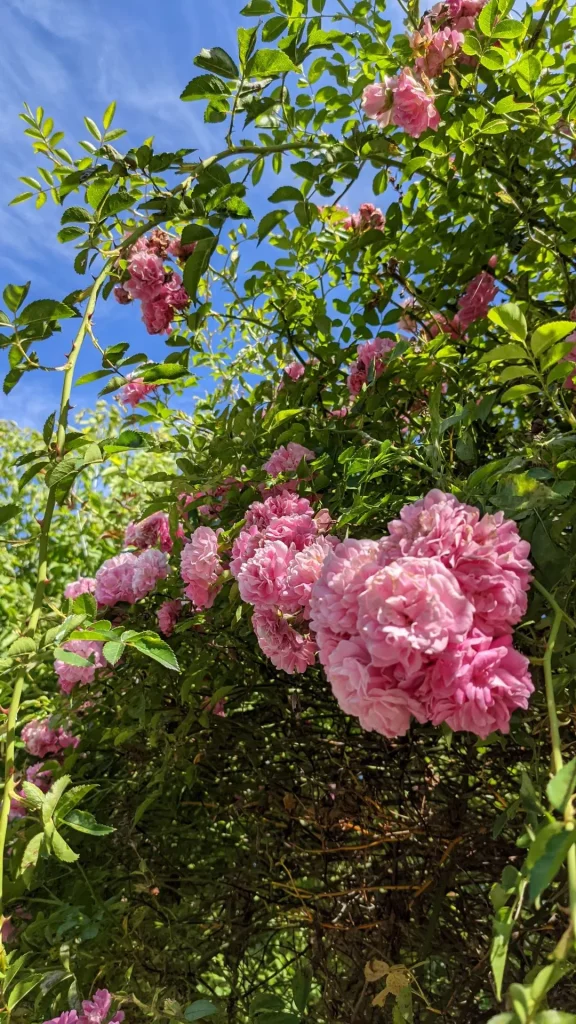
(53, 796)
(510, 317)
(72, 797)
(561, 787)
(265, 1002)
(48, 428)
(197, 264)
(555, 354)
(528, 68)
(83, 821)
(45, 309)
(193, 232)
(93, 128)
(85, 604)
(203, 87)
(487, 17)
(503, 352)
(508, 29)
(548, 334)
(511, 372)
(87, 378)
(217, 61)
(20, 198)
(61, 848)
(548, 865)
(502, 930)
(301, 987)
(256, 8)
(200, 1009)
(31, 853)
(71, 658)
(113, 651)
(109, 114)
(8, 512)
(286, 194)
(34, 796)
(24, 645)
(76, 213)
(21, 989)
(269, 64)
(15, 294)
(496, 127)
(269, 222)
(154, 647)
(519, 391)
(163, 372)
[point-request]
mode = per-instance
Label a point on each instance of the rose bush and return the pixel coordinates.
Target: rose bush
(288, 680)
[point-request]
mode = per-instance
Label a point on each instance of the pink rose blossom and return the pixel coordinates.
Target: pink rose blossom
(200, 567)
(476, 685)
(67, 1017)
(402, 101)
(287, 459)
(135, 391)
(154, 531)
(368, 216)
(40, 740)
(179, 251)
(157, 314)
(284, 503)
(246, 544)
(303, 572)
(168, 615)
(441, 324)
(151, 566)
(434, 49)
(411, 608)
(287, 649)
(295, 370)
(115, 580)
(70, 675)
(369, 356)
(261, 579)
(121, 295)
(175, 293)
(334, 600)
(146, 276)
(476, 301)
(297, 530)
(83, 585)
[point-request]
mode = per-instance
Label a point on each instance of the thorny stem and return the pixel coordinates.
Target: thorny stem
(42, 571)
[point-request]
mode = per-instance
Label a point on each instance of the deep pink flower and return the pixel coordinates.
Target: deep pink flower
(40, 740)
(69, 675)
(157, 314)
(179, 251)
(368, 216)
(95, 1011)
(135, 391)
(83, 585)
(411, 608)
(434, 49)
(402, 101)
(154, 531)
(115, 580)
(287, 649)
(146, 275)
(295, 370)
(476, 301)
(334, 599)
(287, 459)
(175, 293)
(486, 554)
(369, 356)
(121, 295)
(303, 572)
(261, 579)
(67, 1017)
(477, 684)
(168, 615)
(200, 567)
(439, 323)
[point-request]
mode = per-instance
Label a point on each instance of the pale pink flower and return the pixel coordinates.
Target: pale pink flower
(40, 740)
(411, 608)
(486, 555)
(157, 314)
(179, 251)
(151, 566)
(338, 414)
(295, 370)
(368, 216)
(377, 99)
(287, 649)
(476, 685)
(439, 323)
(70, 675)
(66, 1017)
(115, 580)
(167, 615)
(303, 572)
(246, 544)
(135, 391)
(299, 530)
(369, 356)
(476, 301)
(283, 503)
(154, 531)
(334, 599)
(200, 567)
(261, 580)
(175, 293)
(146, 276)
(434, 49)
(287, 459)
(403, 101)
(95, 1011)
(83, 585)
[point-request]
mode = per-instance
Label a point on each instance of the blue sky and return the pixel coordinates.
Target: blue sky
(73, 57)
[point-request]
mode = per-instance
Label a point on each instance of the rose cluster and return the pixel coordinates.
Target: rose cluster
(369, 357)
(160, 291)
(368, 216)
(420, 623)
(407, 99)
(94, 1011)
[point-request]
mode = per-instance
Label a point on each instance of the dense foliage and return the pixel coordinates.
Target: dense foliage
(215, 628)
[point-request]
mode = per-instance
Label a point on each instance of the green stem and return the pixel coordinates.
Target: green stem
(554, 604)
(41, 572)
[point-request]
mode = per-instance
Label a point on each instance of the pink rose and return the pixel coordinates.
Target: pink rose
(151, 566)
(115, 580)
(287, 649)
(200, 567)
(295, 370)
(158, 315)
(147, 275)
(287, 459)
(303, 572)
(83, 585)
(476, 301)
(334, 598)
(167, 615)
(261, 580)
(70, 675)
(135, 391)
(154, 531)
